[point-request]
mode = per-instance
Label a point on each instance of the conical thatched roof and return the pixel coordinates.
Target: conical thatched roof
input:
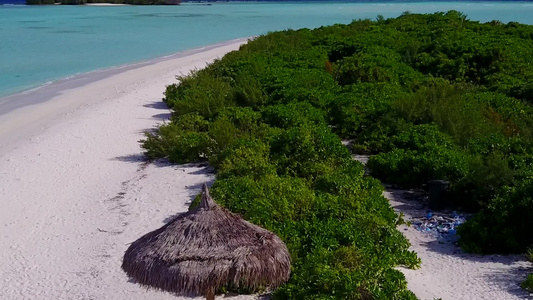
(207, 248)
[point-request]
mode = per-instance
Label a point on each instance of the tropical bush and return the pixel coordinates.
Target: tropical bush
(179, 145)
(433, 96)
(528, 283)
(504, 224)
(199, 93)
(411, 168)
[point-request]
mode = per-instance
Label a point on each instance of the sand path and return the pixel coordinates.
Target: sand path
(449, 273)
(74, 190)
(446, 271)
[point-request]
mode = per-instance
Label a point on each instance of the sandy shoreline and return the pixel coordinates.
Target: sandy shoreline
(22, 114)
(74, 190)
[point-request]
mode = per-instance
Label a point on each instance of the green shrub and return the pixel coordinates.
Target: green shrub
(497, 143)
(245, 158)
(360, 106)
(348, 182)
(326, 234)
(310, 85)
(523, 91)
(293, 114)
(410, 168)
(375, 64)
(418, 154)
(446, 105)
(191, 122)
(248, 90)
(504, 225)
(199, 93)
(268, 201)
(343, 181)
(235, 123)
(308, 151)
(484, 181)
(431, 94)
(423, 137)
(336, 275)
(180, 146)
(528, 283)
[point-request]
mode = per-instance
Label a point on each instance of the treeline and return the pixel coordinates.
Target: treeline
(432, 96)
(81, 2)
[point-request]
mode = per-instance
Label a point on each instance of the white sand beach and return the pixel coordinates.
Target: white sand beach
(75, 192)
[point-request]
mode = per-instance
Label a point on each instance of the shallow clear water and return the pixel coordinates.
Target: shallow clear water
(43, 43)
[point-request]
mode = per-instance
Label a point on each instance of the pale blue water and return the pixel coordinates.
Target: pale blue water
(39, 44)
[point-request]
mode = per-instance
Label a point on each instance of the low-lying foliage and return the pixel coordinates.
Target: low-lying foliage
(411, 168)
(199, 93)
(179, 145)
(434, 96)
(326, 233)
(528, 283)
(417, 155)
(485, 179)
(503, 225)
(293, 114)
(357, 107)
(245, 158)
(308, 151)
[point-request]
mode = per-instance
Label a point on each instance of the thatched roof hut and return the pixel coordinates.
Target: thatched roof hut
(205, 249)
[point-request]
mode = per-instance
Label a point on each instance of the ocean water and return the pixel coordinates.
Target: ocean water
(39, 44)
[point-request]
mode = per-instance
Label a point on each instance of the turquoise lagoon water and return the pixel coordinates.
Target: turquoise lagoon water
(39, 44)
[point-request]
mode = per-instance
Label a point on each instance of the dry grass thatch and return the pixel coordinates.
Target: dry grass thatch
(205, 249)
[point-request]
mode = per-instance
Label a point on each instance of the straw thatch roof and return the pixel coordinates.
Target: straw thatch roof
(205, 249)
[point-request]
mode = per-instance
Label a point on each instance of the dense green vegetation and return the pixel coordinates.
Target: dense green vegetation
(432, 96)
(528, 283)
(80, 2)
(282, 167)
